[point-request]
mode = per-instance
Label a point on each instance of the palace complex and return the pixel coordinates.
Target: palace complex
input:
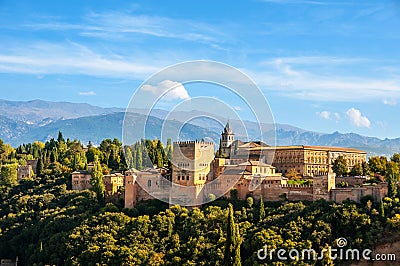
(244, 169)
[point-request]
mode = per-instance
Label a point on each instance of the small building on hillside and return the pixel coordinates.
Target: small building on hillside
(113, 184)
(24, 171)
(33, 164)
(81, 180)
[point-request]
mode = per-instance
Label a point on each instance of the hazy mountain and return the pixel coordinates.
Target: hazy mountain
(40, 120)
(12, 129)
(97, 128)
(38, 111)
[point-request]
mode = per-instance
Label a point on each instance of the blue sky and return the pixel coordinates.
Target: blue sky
(322, 65)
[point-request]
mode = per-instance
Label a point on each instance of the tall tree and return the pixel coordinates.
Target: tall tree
(340, 166)
(139, 158)
(219, 153)
(260, 211)
(382, 208)
(159, 154)
(39, 167)
(97, 180)
(168, 149)
(392, 176)
(233, 241)
(60, 137)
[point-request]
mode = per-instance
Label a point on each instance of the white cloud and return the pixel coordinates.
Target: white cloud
(324, 114)
(337, 116)
(87, 93)
(357, 119)
(172, 90)
(389, 101)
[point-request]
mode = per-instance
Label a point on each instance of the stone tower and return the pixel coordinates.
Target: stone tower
(190, 171)
(227, 139)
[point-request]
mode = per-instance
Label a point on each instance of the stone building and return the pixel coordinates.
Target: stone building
(81, 180)
(24, 171)
(250, 178)
(309, 161)
(145, 185)
(33, 164)
(113, 184)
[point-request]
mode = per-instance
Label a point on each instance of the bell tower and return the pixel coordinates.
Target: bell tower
(227, 139)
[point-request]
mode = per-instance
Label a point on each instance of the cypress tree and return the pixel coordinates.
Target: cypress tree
(259, 212)
(233, 241)
(382, 208)
(39, 167)
(97, 180)
(392, 188)
(392, 175)
(159, 154)
(219, 152)
(262, 209)
(169, 149)
(139, 157)
(60, 137)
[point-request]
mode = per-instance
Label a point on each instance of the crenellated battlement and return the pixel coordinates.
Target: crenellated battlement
(190, 142)
(297, 186)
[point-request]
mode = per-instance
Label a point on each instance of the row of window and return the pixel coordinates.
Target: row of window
(182, 177)
(81, 182)
(202, 177)
(229, 137)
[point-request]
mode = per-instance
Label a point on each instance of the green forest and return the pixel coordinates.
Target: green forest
(44, 222)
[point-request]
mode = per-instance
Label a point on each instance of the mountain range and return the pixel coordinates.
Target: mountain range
(23, 122)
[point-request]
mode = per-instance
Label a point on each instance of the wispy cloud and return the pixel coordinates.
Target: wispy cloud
(293, 2)
(111, 25)
(307, 2)
(72, 58)
(314, 60)
(302, 77)
(87, 93)
(389, 101)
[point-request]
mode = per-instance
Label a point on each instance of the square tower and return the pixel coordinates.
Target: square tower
(191, 162)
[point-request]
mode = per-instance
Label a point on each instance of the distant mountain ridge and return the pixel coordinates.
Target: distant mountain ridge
(35, 111)
(22, 122)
